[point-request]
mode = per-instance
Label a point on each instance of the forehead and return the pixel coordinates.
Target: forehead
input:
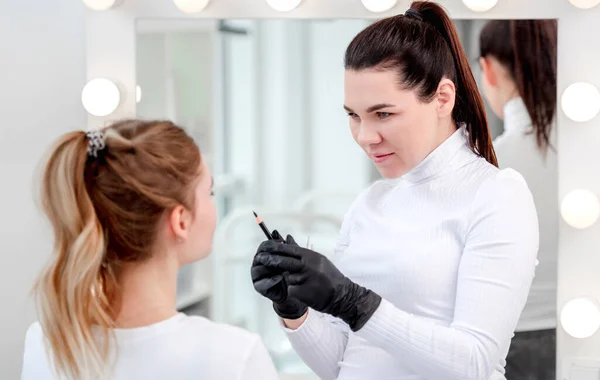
(366, 87)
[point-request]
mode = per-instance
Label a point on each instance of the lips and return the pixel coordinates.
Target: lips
(379, 158)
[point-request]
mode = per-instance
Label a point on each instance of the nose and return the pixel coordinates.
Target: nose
(367, 135)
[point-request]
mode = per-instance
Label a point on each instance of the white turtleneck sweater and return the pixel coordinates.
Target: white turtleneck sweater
(517, 148)
(451, 248)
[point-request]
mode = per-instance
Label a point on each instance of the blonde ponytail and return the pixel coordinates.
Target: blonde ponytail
(73, 291)
(105, 207)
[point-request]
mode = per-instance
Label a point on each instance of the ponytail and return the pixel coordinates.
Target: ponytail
(73, 291)
(527, 48)
(105, 206)
(424, 48)
(469, 107)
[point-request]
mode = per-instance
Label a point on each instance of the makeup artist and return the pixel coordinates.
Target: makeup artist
(434, 263)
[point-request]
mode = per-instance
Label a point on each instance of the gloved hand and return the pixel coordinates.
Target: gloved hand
(315, 281)
(272, 284)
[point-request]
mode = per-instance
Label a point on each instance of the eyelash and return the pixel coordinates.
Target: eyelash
(379, 115)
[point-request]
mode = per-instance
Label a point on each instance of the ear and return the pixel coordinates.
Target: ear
(489, 74)
(180, 221)
(446, 97)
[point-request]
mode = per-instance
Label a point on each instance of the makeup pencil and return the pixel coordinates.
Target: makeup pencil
(262, 226)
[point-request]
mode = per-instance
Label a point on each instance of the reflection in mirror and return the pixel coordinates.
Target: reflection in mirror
(517, 59)
(263, 99)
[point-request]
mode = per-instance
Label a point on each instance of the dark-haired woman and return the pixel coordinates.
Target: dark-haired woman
(518, 60)
(434, 263)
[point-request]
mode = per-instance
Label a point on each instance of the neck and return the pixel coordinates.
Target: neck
(148, 292)
(448, 128)
(511, 92)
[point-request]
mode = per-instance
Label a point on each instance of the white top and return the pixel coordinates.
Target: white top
(181, 347)
(517, 148)
(451, 248)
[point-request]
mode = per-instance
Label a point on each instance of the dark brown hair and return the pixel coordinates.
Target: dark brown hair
(527, 48)
(423, 47)
(104, 211)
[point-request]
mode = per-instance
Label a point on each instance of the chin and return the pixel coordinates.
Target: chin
(392, 172)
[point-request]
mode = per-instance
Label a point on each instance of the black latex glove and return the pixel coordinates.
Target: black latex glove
(315, 281)
(272, 283)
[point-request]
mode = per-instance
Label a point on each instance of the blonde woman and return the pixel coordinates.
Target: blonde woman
(130, 205)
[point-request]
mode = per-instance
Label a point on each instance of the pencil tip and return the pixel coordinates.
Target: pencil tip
(255, 214)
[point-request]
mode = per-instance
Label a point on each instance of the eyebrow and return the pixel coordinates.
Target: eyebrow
(373, 108)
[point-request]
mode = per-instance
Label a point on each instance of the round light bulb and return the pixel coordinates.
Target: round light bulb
(99, 5)
(581, 101)
(138, 94)
(283, 5)
(480, 5)
(585, 4)
(580, 317)
(100, 97)
(580, 208)
(379, 5)
(191, 6)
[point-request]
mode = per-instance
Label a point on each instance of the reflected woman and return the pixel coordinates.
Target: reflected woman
(130, 205)
(518, 60)
(433, 263)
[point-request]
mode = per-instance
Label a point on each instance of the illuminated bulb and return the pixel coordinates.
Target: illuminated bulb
(379, 5)
(585, 4)
(480, 5)
(100, 97)
(99, 5)
(283, 5)
(191, 6)
(138, 94)
(580, 318)
(580, 208)
(581, 102)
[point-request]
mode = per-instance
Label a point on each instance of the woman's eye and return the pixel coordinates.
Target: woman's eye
(353, 115)
(383, 115)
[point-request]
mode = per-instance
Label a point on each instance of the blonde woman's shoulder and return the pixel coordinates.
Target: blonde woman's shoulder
(237, 338)
(35, 361)
(232, 347)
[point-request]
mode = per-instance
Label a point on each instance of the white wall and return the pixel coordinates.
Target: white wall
(42, 71)
(578, 167)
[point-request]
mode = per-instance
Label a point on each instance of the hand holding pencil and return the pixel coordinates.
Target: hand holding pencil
(273, 284)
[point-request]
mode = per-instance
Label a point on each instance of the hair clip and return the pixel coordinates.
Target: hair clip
(96, 142)
(413, 14)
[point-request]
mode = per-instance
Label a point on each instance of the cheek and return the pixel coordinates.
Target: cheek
(413, 132)
(206, 217)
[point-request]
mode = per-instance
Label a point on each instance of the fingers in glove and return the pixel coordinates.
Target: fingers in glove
(281, 262)
(259, 271)
(291, 250)
(277, 236)
(290, 240)
(265, 284)
(296, 278)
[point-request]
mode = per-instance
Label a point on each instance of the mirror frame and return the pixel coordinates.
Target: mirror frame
(110, 53)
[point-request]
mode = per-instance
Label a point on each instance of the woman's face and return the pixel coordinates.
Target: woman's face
(394, 128)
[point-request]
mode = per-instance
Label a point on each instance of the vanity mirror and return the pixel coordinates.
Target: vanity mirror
(241, 87)
(253, 85)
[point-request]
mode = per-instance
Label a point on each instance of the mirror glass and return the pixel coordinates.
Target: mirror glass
(263, 99)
